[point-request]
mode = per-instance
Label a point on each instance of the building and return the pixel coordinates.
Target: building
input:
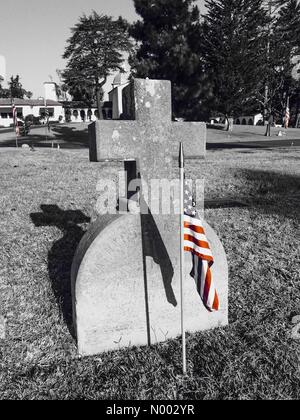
(115, 95)
(256, 119)
(51, 91)
(78, 112)
(59, 111)
(26, 107)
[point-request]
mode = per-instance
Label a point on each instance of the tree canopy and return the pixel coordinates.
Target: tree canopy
(15, 89)
(95, 49)
(234, 47)
(284, 45)
(167, 47)
(236, 59)
(4, 93)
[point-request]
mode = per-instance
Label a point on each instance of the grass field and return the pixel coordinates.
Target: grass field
(47, 198)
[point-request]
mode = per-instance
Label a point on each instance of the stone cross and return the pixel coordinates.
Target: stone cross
(152, 138)
(125, 276)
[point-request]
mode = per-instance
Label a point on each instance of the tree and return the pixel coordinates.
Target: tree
(288, 24)
(84, 92)
(4, 93)
(234, 46)
(284, 47)
(16, 89)
(168, 47)
(94, 50)
(61, 87)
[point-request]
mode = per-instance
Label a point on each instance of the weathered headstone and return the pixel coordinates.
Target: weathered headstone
(125, 275)
(2, 327)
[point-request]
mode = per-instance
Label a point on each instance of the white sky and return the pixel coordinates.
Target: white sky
(33, 34)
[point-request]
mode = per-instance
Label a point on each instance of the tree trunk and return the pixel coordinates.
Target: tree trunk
(98, 99)
(229, 124)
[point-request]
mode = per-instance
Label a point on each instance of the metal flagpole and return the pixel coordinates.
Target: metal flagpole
(17, 144)
(46, 117)
(182, 271)
(45, 106)
(15, 118)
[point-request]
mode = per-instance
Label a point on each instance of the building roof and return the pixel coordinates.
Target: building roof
(120, 79)
(28, 102)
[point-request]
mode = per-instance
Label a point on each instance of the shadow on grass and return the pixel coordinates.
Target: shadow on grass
(273, 192)
(261, 144)
(61, 255)
(68, 137)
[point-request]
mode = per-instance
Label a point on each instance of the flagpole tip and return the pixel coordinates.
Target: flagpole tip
(181, 156)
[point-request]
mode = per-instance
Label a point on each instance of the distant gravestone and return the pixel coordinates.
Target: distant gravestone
(2, 327)
(125, 274)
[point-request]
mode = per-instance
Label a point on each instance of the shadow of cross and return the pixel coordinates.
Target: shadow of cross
(61, 254)
(151, 139)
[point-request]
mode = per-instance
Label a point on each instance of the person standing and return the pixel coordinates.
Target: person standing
(270, 124)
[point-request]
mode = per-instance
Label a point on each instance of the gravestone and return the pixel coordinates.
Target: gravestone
(2, 327)
(126, 272)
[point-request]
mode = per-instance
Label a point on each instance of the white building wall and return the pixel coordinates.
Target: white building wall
(50, 91)
(58, 112)
(78, 119)
(249, 119)
(35, 111)
(115, 96)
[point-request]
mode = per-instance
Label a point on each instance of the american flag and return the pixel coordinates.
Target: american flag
(287, 115)
(195, 241)
(15, 116)
(14, 111)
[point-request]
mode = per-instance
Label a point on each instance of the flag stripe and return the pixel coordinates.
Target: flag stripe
(207, 285)
(201, 251)
(198, 236)
(208, 258)
(192, 221)
(200, 244)
(196, 229)
(202, 277)
(216, 303)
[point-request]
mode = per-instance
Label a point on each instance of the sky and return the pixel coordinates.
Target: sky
(33, 35)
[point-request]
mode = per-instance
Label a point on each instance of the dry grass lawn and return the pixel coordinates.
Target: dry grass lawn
(47, 198)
